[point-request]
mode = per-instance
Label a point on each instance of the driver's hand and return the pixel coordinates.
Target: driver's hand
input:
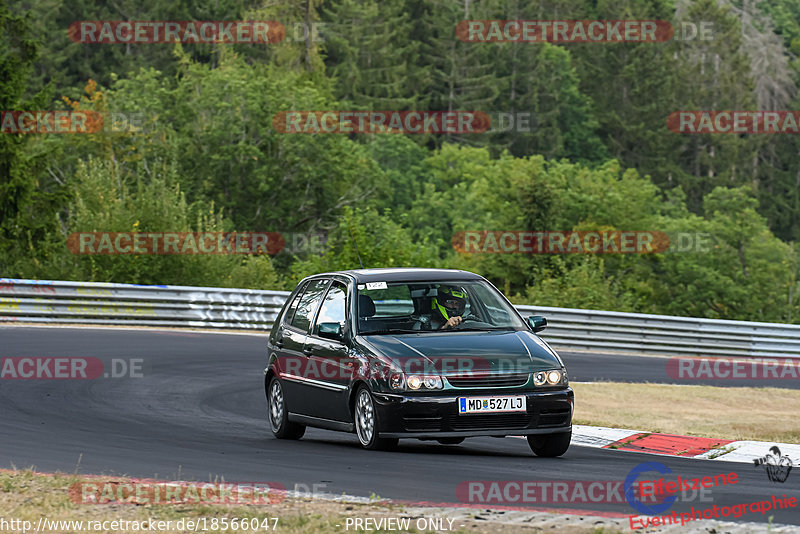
(452, 322)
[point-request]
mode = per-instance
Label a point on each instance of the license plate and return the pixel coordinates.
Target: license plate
(508, 403)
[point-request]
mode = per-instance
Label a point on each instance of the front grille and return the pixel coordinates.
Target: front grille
(490, 421)
(489, 380)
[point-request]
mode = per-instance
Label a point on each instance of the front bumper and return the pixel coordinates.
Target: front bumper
(436, 416)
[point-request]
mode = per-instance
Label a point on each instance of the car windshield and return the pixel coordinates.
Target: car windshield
(420, 307)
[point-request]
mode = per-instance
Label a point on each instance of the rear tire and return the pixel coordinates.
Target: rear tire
(550, 445)
(365, 417)
(278, 414)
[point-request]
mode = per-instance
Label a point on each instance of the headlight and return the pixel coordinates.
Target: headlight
(549, 378)
(433, 382)
(396, 381)
(426, 382)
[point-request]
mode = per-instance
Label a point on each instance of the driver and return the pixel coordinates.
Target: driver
(448, 307)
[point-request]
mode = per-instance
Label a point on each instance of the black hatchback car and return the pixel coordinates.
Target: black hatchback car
(431, 354)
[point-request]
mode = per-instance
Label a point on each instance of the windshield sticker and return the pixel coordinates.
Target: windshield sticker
(376, 285)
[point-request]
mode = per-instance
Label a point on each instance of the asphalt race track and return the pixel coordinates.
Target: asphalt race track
(199, 412)
(587, 367)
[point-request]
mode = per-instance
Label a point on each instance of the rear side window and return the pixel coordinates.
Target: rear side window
(308, 304)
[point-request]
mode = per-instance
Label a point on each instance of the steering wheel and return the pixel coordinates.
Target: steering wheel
(468, 317)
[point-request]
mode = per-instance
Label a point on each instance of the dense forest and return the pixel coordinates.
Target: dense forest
(593, 152)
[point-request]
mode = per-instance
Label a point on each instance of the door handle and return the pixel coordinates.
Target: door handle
(279, 342)
(308, 350)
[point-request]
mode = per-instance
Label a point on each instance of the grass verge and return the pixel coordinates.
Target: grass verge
(760, 414)
(29, 496)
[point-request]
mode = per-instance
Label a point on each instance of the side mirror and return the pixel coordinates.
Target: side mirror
(330, 331)
(537, 323)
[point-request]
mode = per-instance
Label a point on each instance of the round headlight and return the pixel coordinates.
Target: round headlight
(539, 378)
(432, 382)
(414, 382)
(554, 377)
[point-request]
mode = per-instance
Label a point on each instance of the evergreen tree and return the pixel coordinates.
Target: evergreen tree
(370, 54)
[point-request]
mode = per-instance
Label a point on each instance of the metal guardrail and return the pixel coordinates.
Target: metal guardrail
(569, 328)
(46, 301)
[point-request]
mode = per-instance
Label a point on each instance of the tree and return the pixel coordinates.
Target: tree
(26, 208)
(370, 54)
(150, 201)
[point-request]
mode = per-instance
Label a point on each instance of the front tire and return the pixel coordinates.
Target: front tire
(550, 445)
(279, 422)
(366, 420)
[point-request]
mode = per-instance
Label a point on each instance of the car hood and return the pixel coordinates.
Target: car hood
(501, 351)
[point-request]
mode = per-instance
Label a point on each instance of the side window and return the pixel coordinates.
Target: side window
(287, 318)
(308, 304)
(334, 306)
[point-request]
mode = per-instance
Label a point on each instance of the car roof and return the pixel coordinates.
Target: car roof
(404, 275)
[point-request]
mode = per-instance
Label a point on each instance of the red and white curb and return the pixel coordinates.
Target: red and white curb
(726, 450)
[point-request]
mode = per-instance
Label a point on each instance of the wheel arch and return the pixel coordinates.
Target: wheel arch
(351, 400)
